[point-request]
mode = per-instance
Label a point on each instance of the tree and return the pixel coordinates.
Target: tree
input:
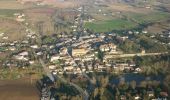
(133, 84)
(100, 55)
(104, 81)
(129, 46)
(96, 92)
(138, 60)
(143, 84)
(101, 89)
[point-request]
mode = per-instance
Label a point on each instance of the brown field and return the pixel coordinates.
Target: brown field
(128, 8)
(20, 89)
(12, 29)
(13, 4)
(55, 3)
(36, 15)
(158, 27)
(66, 4)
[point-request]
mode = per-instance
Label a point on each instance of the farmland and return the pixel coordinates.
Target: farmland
(130, 20)
(8, 12)
(17, 89)
(110, 25)
(11, 29)
(15, 5)
(149, 18)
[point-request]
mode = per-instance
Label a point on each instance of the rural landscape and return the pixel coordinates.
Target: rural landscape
(84, 49)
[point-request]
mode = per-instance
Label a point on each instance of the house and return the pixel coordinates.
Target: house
(138, 69)
(34, 46)
(101, 68)
(54, 58)
(2, 34)
(69, 62)
(122, 97)
(68, 68)
(150, 93)
(137, 97)
(52, 67)
(79, 52)
(132, 64)
(39, 53)
(121, 66)
(63, 51)
(31, 62)
(90, 68)
(20, 57)
(58, 71)
(144, 32)
(77, 71)
(143, 51)
(5, 38)
(164, 94)
(24, 53)
(108, 47)
(12, 48)
(87, 59)
(104, 48)
(20, 19)
(113, 47)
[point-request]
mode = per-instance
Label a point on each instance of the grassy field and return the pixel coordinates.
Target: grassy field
(13, 4)
(149, 18)
(109, 25)
(132, 20)
(8, 12)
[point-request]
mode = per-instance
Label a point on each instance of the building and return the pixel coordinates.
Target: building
(63, 51)
(108, 47)
(79, 52)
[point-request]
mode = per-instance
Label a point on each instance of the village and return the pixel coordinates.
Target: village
(73, 54)
(83, 56)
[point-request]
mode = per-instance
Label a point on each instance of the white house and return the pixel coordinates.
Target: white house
(68, 68)
(24, 53)
(54, 58)
(52, 67)
(34, 46)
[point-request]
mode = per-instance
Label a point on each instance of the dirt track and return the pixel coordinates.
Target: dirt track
(18, 90)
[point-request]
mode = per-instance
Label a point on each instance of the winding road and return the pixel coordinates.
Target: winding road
(56, 77)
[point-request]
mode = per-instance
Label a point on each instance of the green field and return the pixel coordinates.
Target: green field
(8, 12)
(148, 18)
(132, 20)
(109, 25)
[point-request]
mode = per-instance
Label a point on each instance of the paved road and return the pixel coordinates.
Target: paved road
(50, 75)
(132, 55)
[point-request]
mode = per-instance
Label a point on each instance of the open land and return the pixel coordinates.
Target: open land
(126, 17)
(20, 89)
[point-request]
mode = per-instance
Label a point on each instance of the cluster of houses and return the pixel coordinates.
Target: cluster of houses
(80, 55)
(3, 37)
(20, 17)
(69, 55)
(150, 95)
(165, 35)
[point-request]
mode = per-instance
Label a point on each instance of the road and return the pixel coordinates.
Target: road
(56, 77)
(50, 75)
(109, 56)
